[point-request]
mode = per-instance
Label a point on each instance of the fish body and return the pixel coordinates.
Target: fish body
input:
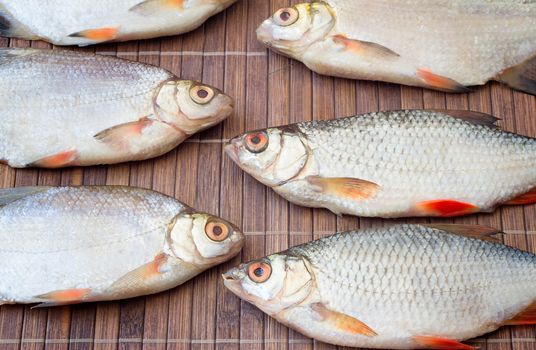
(403, 287)
(445, 45)
(393, 164)
(63, 108)
(85, 22)
(75, 244)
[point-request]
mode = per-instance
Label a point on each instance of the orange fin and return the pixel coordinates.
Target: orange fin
(119, 136)
(99, 34)
(472, 117)
(446, 208)
(343, 322)
(139, 279)
(344, 187)
(64, 297)
(527, 317)
(441, 343)
(151, 7)
(59, 160)
(364, 48)
(526, 198)
(439, 82)
(473, 231)
(521, 77)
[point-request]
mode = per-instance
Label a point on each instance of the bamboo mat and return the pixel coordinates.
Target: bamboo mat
(269, 90)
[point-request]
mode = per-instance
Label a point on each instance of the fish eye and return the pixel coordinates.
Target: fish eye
(202, 94)
(287, 16)
(259, 272)
(256, 142)
(217, 231)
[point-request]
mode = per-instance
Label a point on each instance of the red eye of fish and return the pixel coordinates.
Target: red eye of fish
(256, 142)
(286, 17)
(217, 231)
(259, 272)
(202, 94)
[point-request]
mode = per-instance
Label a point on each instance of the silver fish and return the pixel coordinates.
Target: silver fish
(63, 108)
(403, 287)
(65, 245)
(86, 22)
(440, 44)
(394, 164)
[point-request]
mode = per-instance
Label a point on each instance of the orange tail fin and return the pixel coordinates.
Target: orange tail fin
(526, 198)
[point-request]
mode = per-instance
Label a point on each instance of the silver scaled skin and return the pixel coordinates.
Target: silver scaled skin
(87, 22)
(439, 44)
(63, 108)
(402, 287)
(81, 244)
(393, 164)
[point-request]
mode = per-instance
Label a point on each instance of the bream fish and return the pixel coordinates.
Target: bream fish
(65, 245)
(393, 164)
(64, 108)
(440, 44)
(86, 22)
(403, 287)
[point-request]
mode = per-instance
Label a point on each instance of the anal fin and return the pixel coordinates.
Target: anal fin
(521, 77)
(10, 27)
(439, 82)
(526, 317)
(58, 160)
(64, 297)
(342, 322)
(441, 343)
(526, 198)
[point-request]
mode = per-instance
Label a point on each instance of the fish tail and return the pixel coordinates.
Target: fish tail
(521, 77)
(10, 27)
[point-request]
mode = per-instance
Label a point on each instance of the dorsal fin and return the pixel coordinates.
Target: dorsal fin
(472, 231)
(10, 195)
(477, 118)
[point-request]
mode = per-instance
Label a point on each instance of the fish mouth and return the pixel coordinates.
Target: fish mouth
(231, 282)
(232, 151)
(264, 34)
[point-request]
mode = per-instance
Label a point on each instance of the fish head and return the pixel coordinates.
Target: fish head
(203, 239)
(274, 283)
(273, 156)
(292, 30)
(190, 106)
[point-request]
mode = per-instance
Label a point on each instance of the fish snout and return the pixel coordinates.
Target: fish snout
(265, 33)
(232, 281)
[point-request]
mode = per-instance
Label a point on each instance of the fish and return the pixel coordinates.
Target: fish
(393, 164)
(62, 108)
(68, 245)
(399, 287)
(85, 22)
(446, 45)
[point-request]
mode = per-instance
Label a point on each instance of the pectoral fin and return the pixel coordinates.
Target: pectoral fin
(350, 188)
(64, 297)
(97, 34)
(439, 82)
(364, 48)
(521, 77)
(441, 343)
(10, 195)
(342, 322)
(151, 7)
(119, 136)
(472, 231)
(526, 317)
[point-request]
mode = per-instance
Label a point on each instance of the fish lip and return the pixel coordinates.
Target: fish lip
(264, 34)
(232, 151)
(231, 282)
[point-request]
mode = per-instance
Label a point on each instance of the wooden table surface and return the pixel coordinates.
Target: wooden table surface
(269, 90)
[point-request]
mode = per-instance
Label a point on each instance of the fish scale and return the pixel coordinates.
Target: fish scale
(402, 282)
(415, 156)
